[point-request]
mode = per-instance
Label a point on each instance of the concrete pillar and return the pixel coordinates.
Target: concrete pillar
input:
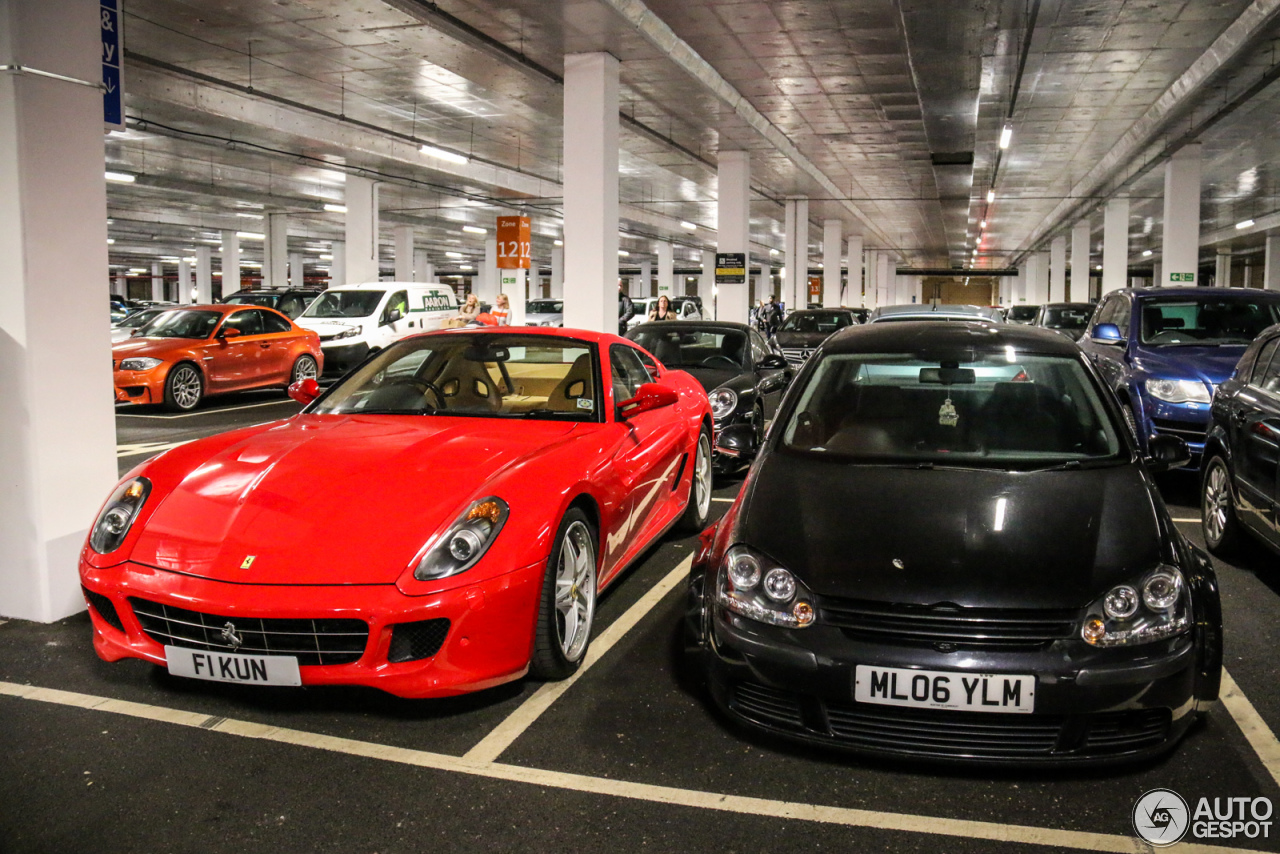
(919, 290)
(1271, 263)
(852, 294)
(231, 263)
(645, 287)
(1079, 289)
(1180, 245)
(1038, 278)
(885, 278)
(591, 191)
(1115, 245)
(795, 290)
(360, 263)
(535, 281)
(57, 455)
(486, 287)
(1158, 273)
(297, 274)
(204, 275)
(338, 266)
(832, 251)
(404, 253)
(666, 270)
(121, 286)
(557, 272)
(275, 251)
(184, 283)
(707, 280)
(157, 282)
(423, 269)
(1018, 288)
(1222, 267)
(733, 232)
(1058, 269)
(871, 298)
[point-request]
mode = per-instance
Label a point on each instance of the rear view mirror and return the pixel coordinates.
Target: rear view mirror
(393, 315)
(648, 396)
(771, 362)
(1165, 452)
(948, 376)
(228, 332)
(305, 391)
(1108, 333)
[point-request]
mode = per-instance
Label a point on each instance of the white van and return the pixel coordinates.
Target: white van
(355, 320)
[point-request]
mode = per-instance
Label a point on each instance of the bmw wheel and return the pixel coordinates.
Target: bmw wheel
(1217, 510)
(305, 368)
(568, 601)
(183, 388)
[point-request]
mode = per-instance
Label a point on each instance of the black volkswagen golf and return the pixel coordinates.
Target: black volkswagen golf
(951, 548)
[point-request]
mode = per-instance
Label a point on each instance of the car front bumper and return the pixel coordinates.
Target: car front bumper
(488, 641)
(341, 357)
(1091, 706)
(140, 386)
(1187, 421)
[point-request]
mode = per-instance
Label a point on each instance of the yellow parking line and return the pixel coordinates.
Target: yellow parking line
(715, 801)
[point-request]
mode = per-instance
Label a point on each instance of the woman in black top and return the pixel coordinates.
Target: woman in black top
(662, 309)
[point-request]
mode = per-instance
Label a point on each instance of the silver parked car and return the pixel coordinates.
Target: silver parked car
(544, 312)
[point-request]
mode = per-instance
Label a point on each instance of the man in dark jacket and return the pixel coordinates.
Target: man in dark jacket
(626, 310)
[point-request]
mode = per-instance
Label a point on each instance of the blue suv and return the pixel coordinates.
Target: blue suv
(1164, 351)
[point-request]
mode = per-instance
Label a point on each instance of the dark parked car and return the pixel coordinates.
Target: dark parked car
(950, 547)
(744, 377)
(802, 331)
(1023, 314)
(1163, 351)
(1068, 318)
(291, 302)
(1242, 452)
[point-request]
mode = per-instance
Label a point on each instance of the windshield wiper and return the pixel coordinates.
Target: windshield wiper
(556, 414)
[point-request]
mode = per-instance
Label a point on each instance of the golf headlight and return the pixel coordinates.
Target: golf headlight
(117, 515)
(723, 402)
(1178, 391)
(139, 364)
(1155, 608)
(465, 542)
(350, 332)
(757, 588)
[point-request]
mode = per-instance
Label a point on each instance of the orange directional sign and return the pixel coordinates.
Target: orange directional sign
(514, 249)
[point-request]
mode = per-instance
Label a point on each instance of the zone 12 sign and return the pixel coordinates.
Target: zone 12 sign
(514, 249)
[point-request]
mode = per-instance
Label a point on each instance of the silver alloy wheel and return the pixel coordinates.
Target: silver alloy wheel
(184, 385)
(304, 369)
(575, 591)
(1217, 497)
(702, 476)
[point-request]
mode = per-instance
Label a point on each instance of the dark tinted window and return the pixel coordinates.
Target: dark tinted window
(1205, 321)
(629, 372)
(182, 324)
(1262, 367)
(249, 322)
(826, 321)
(292, 305)
(1066, 316)
(269, 300)
(700, 348)
(272, 322)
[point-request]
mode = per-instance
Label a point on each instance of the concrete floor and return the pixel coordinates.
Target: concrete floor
(629, 757)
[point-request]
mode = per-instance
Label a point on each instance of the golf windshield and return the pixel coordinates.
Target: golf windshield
(1206, 322)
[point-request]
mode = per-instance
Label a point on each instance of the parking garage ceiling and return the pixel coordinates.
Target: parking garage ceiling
(887, 115)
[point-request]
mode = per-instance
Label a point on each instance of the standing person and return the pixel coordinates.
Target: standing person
(772, 315)
(662, 309)
(501, 310)
(626, 310)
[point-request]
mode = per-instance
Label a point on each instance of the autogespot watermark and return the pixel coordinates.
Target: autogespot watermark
(1163, 817)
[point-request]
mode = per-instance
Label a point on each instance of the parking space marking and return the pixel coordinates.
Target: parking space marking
(1255, 729)
(501, 737)
(140, 448)
(1197, 521)
(737, 804)
(725, 500)
(202, 412)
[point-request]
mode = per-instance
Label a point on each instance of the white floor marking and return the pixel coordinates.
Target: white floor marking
(725, 500)
(737, 804)
(201, 412)
(1255, 729)
(139, 448)
(500, 738)
(1197, 521)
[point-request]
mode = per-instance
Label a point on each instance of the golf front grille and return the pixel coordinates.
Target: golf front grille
(947, 627)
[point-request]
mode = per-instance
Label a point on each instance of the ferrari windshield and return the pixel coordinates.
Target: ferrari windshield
(181, 324)
(999, 410)
(816, 321)
(675, 348)
(485, 375)
(344, 304)
(1208, 321)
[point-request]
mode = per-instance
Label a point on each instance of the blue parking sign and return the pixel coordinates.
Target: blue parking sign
(112, 79)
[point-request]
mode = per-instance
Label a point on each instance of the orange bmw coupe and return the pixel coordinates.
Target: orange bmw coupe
(183, 355)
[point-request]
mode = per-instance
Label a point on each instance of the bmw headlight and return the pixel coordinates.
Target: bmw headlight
(350, 332)
(139, 364)
(757, 588)
(466, 541)
(118, 515)
(1178, 391)
(723, 402)
(1156, 607)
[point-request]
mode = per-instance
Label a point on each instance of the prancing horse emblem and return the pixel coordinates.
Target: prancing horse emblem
(248, 561)
(229, 635)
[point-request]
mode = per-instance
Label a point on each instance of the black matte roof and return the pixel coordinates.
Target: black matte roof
(909, 336)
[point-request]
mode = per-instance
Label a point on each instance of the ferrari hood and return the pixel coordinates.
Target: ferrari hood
(332, 499)
(1054, 539)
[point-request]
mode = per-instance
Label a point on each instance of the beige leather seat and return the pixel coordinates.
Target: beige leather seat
(575, 386)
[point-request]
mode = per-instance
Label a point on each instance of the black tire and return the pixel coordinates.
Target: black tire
(1218, 520)
(698, 508)
(183, 388)
(304, 367)
(551, 660)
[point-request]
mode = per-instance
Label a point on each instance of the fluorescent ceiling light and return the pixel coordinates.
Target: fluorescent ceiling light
(1099, 267)
(623, 252)
(1246, 224)
(326, 257)
(249, 215)
(559, 243)
(475, 229)
(465, 267)
(441, 154)
(982, 224)
(1146, 253)
(250, 235)
(991, 196)
(331, 208)
(688, 225)
(1006, 136)
(110, 240)
(773, 251)
(453, 255)
(137, 271)
(121, 177)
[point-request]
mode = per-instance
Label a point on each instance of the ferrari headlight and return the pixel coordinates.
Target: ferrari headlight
(755, 587)
(1155, 608)
(118, 515)
(1178, 391)
(465, 542)
(723, 402)
(350, 332)
(139, 364)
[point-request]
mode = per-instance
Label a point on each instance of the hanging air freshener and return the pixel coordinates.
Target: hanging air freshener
(947, 415)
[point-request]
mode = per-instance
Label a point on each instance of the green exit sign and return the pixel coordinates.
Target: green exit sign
(1182, 277)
